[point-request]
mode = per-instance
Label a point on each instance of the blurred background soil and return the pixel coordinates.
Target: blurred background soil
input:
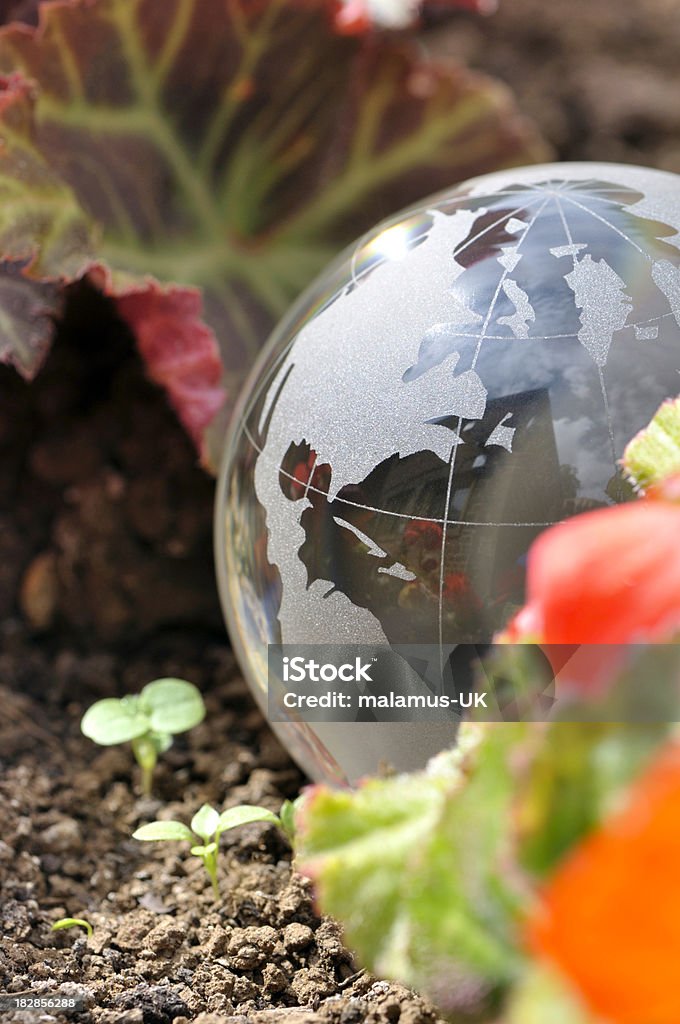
(107, 581)
(601, 78)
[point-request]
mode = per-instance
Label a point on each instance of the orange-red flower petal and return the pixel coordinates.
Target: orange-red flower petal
(610, 917)
(611, 576)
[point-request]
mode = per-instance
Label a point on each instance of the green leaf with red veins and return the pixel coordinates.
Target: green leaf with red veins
(27, 313)
(223, 152)
(43, 231)
(40, 218)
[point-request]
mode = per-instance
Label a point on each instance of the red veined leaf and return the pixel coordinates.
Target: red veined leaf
(228, 150)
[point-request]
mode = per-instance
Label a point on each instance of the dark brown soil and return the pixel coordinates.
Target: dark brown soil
(163, 949)
(599, 77)
(106, 582)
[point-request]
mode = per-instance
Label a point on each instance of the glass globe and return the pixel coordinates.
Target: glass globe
(464, 376)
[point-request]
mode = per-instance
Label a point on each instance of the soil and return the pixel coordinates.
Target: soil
(599, 77)
(106, 582)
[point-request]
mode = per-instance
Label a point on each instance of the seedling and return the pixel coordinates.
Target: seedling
(148, 720)
(73, 922)
(207, 824)
(289, 809)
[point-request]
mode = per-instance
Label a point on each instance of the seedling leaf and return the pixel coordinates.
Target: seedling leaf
(158, 830)
(162, 741)
(204, 851)
(205, 822)
(287, 815)
(72, 922)
(244, 815)
(173, 705)
(113, 721)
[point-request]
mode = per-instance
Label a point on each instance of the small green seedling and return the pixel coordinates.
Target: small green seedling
(148, 720)
(289, 809)
(73, 922)
(207, 824)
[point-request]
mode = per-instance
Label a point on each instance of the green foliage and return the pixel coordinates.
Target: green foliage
(73, 922)
(574, 775)
(53, 230)
(164, 830)
(243, 815)
(418, 868)
(654, 453)
(431, 874)
(207, 824)
(288, 812)
(543, 997)
(147, 720)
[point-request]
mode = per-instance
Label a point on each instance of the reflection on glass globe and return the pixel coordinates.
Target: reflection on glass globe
(462, 378)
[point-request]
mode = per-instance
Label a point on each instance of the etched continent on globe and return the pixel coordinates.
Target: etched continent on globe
(470, 376)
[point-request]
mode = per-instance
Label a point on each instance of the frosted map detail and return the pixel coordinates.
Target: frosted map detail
(429, 415)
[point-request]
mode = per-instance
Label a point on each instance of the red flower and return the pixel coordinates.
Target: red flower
(607, 577)
(357, 17)
(665, 490)
(425, 532)
(458, 589)
(610, 916)
(352, 18)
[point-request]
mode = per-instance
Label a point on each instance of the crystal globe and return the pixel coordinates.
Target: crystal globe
(463, 377)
